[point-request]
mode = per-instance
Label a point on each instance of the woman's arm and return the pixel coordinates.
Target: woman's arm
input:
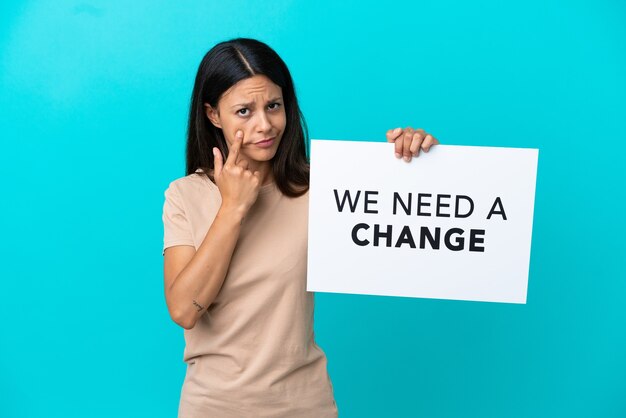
(194, 278)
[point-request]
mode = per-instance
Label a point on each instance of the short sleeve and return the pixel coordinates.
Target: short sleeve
(176, 226)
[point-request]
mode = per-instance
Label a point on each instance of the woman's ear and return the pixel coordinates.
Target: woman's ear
(213, 115)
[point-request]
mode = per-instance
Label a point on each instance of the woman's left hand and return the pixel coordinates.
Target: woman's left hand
(409, 141)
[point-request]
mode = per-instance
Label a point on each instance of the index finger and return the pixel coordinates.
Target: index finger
(233, 153)
(393, 134)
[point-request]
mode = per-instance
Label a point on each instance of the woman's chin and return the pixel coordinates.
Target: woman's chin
(261, 154)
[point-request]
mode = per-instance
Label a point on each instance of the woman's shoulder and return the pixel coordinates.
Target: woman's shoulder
(193, 184)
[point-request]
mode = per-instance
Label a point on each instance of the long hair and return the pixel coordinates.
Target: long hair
(223, 66)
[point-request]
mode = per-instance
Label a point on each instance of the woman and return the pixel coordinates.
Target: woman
(235, 243)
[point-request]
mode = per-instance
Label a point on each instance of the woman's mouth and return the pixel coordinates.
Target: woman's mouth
(265, 143)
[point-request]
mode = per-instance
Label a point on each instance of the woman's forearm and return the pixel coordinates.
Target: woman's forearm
(197, 285)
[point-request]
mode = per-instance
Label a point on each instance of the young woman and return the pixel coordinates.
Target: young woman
(235, 243)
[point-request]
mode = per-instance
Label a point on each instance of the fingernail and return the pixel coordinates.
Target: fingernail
(427, 149)
(407, 159)
(398, 155)
(397, 131)
(239, 134)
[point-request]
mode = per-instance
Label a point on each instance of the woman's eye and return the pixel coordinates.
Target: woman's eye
(245, 111)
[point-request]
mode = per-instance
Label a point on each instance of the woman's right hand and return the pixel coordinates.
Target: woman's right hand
(238, 186)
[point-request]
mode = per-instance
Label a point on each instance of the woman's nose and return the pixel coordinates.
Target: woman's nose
(263, 124)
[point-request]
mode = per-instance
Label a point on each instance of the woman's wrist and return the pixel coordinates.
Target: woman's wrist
(232, 213)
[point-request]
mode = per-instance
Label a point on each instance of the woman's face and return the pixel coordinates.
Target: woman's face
(254, 105)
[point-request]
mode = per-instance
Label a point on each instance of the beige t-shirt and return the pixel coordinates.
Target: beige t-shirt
(253, 353)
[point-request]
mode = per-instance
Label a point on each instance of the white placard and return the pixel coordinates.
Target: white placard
(378, 225)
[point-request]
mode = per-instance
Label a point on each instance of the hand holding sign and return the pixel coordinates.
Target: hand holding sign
(238, 186)
(409, 141)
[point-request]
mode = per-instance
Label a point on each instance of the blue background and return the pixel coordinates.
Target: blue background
(94, 99)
